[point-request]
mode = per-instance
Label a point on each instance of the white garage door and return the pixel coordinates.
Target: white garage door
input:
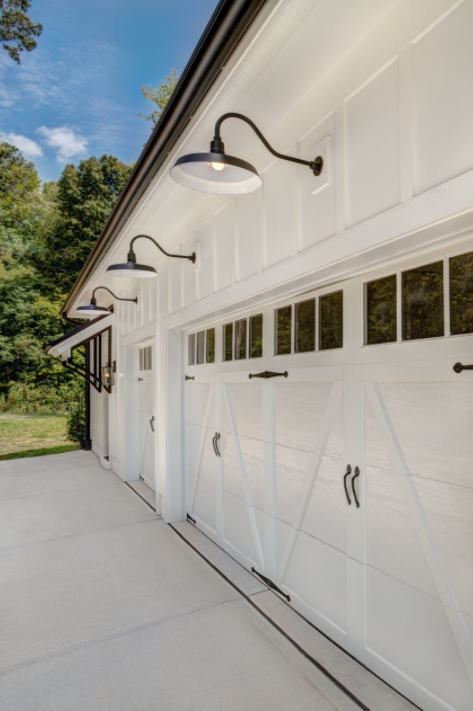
(348, 482)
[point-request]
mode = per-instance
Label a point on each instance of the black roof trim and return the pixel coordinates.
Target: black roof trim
(229, 22)
(80, 328)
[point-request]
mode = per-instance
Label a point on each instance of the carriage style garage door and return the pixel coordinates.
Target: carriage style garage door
(348, 482)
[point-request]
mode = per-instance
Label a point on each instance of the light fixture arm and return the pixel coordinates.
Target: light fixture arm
(93, 301)
(132, 256)
(217, 145)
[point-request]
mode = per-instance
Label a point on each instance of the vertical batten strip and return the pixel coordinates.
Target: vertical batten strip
(341, 166)
(269, 464)
(406, 138)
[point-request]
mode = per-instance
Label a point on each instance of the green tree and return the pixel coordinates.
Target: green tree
(85, 197)
(17, 31)
(159, 95)
(29, 313)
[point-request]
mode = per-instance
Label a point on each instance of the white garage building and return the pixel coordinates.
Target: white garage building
(343, 470)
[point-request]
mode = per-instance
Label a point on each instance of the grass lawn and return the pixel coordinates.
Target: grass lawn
(33, 435)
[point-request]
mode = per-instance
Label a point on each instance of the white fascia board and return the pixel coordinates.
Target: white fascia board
(63, 349)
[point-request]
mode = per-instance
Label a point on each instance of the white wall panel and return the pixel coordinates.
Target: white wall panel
(443, 99)
(317, 194)
(205, 269)
(188, 272)
(373, 175)
(280, 214)
(224, 226)
(249, 217)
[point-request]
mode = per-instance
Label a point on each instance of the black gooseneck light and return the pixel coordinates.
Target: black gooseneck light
(92, 309)
(219, 174)
(132, 270)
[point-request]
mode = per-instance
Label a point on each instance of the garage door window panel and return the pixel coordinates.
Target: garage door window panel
(283, 330)
(210, 339)
(256, 336)
(461, 294)
(381, 312)
(331, 321)
(228, 342)
(422, 302)
(201, 347)
(240, 339)
(305, 326)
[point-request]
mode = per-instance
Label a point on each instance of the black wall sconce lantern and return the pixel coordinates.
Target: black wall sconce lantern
(217, 173)
(132, 270)
(93, 310)
(108, 374)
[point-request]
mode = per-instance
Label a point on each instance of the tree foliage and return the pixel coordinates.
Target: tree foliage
(159, 95)
(17, 30)
(85, 196)
(46, 233)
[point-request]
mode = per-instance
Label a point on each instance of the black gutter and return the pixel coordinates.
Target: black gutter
(228, 24)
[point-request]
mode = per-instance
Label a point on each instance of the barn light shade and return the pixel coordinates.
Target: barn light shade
(92, 310)
(219, 174)
(216, 173)
(132, 270)
(108, 374)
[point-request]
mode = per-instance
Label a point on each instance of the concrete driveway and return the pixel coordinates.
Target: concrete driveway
(103, 607)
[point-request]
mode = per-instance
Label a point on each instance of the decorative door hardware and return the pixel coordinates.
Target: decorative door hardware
(190, 377)
(357, 473)
(270, 584)
(268, 374)
(345, 477)
(192, 520)
(345, 483)
(458, 367)
(151, 423)
(215, 443)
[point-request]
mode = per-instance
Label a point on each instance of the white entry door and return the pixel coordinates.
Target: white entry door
(348, 483)
(146, 417)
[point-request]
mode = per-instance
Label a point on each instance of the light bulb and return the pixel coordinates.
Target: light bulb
(218, 166)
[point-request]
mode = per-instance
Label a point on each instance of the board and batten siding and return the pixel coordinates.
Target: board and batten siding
(397, 134)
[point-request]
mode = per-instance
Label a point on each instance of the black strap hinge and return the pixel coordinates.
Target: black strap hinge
(270, 584)
(268, 374)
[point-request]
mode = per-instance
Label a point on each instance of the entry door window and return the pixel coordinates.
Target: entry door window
(146, 358)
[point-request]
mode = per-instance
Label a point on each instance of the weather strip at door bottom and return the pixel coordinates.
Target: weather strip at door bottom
(141, 497)
(295, 644)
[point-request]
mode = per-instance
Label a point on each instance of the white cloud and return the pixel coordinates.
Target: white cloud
(65, 141)
(30, 148)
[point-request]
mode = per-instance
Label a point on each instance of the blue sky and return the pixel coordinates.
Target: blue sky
(78, 93)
